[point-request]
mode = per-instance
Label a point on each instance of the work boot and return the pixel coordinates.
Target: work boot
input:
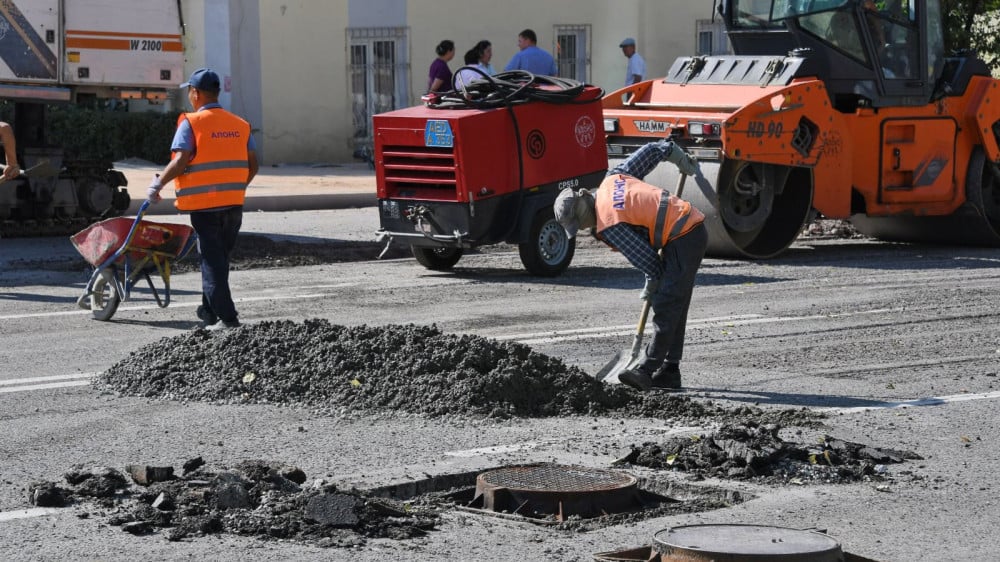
(636, 378)
(222, 325)
(667, 377)
(206, 316)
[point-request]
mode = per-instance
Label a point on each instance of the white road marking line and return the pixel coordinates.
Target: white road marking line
(929, 401)
(739, 320)
(44, 386)
(191, 304)
(8, 382)
(604, 330)
(28, 513)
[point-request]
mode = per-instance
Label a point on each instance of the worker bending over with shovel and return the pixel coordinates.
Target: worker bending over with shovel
(662, 236)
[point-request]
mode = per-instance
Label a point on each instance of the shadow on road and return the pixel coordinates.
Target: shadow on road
(596, 277)
(790, 399)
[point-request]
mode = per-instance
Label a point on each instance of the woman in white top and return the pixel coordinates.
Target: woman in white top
(485, 50)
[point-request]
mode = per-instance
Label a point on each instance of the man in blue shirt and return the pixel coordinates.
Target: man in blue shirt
(218, 226)
(531, 58)
(635, 71)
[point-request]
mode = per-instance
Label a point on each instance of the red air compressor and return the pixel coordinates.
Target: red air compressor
(483, 164)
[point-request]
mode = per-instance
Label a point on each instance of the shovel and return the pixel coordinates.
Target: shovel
(627, 358)
(40, 170)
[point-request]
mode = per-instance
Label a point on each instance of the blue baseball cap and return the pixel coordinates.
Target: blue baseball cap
(628, 42)
(203, 79)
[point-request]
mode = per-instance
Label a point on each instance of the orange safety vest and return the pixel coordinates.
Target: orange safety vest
(219, 169)
(624, 199)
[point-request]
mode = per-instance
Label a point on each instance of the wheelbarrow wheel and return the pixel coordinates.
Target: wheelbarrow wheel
(105, 299)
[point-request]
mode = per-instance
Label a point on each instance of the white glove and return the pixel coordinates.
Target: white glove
(649, 289)
(685, 163)
(153, 191)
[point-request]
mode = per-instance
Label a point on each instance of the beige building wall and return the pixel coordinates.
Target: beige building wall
(301, 88)
(663, 30)
(307, 117)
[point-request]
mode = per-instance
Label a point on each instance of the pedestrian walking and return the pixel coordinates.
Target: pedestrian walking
(639, 219)
(439, 76)
(530, 57)
(214, 159)
(635, 70)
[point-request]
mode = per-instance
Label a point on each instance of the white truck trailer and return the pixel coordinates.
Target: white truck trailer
(64, 51)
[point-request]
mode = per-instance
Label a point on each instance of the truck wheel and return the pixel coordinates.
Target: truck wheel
(105, 299)
(549, 250)
(437, 259)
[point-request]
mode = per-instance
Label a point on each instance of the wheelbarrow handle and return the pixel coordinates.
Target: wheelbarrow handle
(128, 238)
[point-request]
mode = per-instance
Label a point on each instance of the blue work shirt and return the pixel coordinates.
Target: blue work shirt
(534, 60)
(184, 135)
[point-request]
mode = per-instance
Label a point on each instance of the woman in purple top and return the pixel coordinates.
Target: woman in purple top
(440, 75)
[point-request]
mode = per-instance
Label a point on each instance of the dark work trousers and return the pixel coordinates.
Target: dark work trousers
(217, 231)
(681, 258)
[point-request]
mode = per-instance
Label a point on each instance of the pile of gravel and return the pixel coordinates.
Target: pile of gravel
(337, 369)
(315, 363)
(268, 500)
(751, 451)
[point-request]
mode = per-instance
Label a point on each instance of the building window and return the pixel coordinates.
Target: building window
(379, 71)
(712, 38)
(572, 51)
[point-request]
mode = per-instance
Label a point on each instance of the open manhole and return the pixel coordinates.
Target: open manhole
(558, 491)
(564, 495)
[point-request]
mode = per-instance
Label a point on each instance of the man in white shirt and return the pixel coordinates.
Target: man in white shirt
(636, 69)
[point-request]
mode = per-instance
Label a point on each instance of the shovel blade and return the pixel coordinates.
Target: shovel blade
(622, 361)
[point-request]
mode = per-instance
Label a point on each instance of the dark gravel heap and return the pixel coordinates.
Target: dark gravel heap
(415, 369)
(255, 498)
(829, 229)
(755, 452)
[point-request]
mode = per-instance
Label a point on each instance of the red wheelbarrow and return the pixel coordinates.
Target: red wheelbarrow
(123, 250)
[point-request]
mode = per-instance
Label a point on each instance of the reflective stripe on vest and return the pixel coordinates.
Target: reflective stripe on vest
(624, 199)
(219, 168)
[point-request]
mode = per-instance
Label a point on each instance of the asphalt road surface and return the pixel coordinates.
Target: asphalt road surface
(898, 344)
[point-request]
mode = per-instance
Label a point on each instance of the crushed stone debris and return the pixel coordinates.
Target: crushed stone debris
(826, 229)
(269, 500)
(755, 452)
(336, 370)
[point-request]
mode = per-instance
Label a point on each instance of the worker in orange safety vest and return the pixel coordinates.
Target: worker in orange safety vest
(640, 220)
(214, 159)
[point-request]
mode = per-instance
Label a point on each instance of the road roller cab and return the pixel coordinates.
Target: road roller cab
(847, 108)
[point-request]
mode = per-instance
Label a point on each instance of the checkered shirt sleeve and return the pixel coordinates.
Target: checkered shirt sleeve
(633, 242)
(642, 161)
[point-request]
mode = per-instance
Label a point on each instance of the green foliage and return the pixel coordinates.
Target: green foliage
(99, 134)
(964, 30)
(93, 132)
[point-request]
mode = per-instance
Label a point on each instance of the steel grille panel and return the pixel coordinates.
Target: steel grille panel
(554, 478)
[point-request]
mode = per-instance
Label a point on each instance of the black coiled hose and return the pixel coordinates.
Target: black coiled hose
(508, 88)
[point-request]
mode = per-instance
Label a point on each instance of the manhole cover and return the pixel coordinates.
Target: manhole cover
(743, 543)
(563, 496)
(559, 491)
